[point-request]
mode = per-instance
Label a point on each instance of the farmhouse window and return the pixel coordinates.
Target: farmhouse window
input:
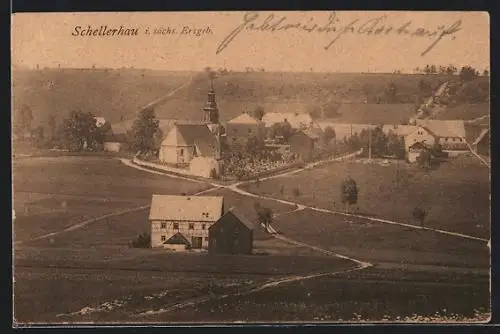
(176, 226)
(163, 225)
(182, 151)
(163, 238)
(191, 226)
(203, 226)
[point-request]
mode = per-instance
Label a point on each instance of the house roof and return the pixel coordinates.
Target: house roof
(296, 120)
(439, 128)
(244, 118)
(344, 130)
(185, 134)
(177, 239)
(313, 132)
(186, 208)
(240, 217)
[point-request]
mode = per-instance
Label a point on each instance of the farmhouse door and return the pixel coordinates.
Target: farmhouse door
(196, 242)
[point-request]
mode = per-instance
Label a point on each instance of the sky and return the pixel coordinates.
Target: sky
(47, 39)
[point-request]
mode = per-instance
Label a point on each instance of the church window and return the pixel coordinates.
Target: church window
(163, 225)
(176, 226)
(182, 151)
(163, 238)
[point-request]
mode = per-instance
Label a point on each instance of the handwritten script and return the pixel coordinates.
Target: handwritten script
(333, 26)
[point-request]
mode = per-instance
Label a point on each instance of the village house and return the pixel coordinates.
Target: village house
(231, 234)
(449, 134)
(182, 222)
(243, 127)
(297, 120)
(306, 143)
(414, 151)
(419, 135)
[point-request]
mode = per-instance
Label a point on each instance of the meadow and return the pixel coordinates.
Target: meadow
(378, 243)
(50, 194)
(351, 298)
(456, 194)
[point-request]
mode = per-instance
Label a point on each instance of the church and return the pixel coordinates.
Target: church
(196, 146)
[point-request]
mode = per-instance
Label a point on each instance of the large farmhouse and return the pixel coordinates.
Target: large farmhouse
(449, 134)
(297, 120)
(243, 127)
(183, 221)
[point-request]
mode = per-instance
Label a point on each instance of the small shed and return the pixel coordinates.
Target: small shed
(231, 234)
(177, 242)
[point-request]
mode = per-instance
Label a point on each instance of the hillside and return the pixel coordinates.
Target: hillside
(117, 95)
(108, 93)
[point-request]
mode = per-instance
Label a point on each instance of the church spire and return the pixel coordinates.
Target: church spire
(211, 111)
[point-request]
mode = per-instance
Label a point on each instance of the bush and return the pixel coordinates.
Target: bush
(142, 241)
(213, 173)
(419, 215)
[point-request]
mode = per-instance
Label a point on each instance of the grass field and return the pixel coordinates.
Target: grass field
(137, 280)
(108, 93)
(349, 298)
(456, 195)
(377, 242)
(464, 112)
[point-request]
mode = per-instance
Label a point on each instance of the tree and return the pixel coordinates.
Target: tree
(424, 159)
(395, 145)
(349, 192)
(254, 146)
(419, 215)
(467, 73)
(52, 126)
(437, 150)
(146, 133)
(329, 135)
(258, 113)
(283, 130)
(79, 131)
(22, 123)
(264, 216)
(451, 70)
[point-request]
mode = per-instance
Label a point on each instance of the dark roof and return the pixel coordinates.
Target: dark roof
(177, 239)
(199, 135)
(239, 216)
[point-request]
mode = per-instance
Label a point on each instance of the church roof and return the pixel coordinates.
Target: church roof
(190, 135)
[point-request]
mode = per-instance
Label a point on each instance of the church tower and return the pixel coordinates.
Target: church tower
(211, 111)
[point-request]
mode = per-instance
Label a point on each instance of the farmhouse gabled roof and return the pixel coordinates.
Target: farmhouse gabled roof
(244, 118)
(177, 239)
(186, 208)
(198, 135)
(450, 129)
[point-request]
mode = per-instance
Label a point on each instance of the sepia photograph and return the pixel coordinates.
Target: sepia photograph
(250, 167)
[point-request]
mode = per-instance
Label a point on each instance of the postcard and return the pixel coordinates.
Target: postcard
(250, 167)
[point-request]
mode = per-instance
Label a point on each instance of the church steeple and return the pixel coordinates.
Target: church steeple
(211, 112)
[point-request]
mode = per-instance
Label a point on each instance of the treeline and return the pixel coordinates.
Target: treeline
(466, 73)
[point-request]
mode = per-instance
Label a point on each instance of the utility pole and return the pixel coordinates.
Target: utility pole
(370, 142)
